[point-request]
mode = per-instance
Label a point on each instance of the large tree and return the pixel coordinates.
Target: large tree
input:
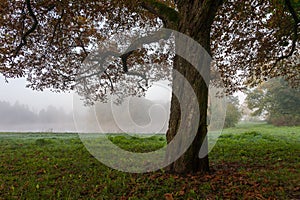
(46, 41)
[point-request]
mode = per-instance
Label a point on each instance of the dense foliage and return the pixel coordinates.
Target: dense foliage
(39, 38)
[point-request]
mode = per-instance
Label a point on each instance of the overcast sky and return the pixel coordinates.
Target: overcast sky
(15, 90)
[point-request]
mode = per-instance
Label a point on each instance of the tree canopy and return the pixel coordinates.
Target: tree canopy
(46, 41)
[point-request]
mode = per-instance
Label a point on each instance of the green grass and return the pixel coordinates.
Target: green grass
(137, 143)
(262, 128)
(250, 161)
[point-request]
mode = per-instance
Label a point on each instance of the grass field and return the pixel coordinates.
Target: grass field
(255, 161)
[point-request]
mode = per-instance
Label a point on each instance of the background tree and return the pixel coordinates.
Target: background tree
(247, 115)
(277, 101)
(45, 41)
(18, 114)
(15, 114)
(233, 113)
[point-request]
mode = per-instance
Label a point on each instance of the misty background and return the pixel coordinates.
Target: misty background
(25, 110)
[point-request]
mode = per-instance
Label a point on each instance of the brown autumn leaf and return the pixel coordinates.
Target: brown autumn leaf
(169, 196)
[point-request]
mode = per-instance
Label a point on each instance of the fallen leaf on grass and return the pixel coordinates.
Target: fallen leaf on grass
(168, 196)
(297, 189)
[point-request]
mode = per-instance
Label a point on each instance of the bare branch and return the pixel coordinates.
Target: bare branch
(111, 83)
(100, 58)
(82, 45)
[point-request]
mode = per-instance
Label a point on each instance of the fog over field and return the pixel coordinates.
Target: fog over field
(19, 117)
(24, 110)
(134, 115)
(138, 115)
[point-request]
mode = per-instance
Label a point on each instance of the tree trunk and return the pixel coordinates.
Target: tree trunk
(196, 18)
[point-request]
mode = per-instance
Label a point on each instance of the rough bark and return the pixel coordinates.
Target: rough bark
(195, 20)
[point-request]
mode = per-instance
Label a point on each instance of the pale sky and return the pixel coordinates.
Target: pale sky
(15, 90)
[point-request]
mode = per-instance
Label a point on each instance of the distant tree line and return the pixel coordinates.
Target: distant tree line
(21, 114)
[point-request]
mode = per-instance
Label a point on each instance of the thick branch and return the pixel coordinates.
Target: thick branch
(98, 66)
(168, 15)
(207, 13)
(292, 11)
(138, 43)
(101, 57)
(295, 31)
(31, 30)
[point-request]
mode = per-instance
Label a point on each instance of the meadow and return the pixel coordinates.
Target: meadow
(250, 161)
